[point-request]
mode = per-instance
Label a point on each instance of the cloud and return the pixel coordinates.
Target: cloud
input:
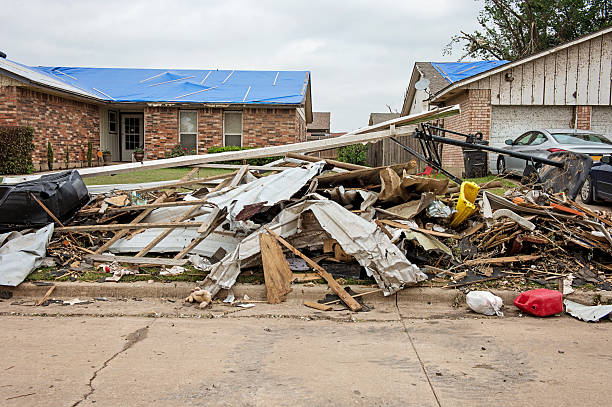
(360, 53)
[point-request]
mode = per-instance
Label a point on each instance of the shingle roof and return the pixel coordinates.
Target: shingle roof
(320, 121)
(436, 80)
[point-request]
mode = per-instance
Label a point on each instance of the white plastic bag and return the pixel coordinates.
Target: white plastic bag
(483, 302)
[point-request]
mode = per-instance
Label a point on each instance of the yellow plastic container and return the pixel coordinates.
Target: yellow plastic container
(465, 205)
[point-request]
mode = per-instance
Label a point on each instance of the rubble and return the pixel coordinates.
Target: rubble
(381, 224)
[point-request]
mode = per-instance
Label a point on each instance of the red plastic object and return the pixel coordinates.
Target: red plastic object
(540, 302)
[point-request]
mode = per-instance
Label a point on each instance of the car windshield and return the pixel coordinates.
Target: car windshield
(579, 138)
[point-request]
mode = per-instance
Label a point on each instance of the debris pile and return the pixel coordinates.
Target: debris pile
(340, 222)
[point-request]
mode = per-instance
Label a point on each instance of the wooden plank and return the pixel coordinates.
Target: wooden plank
(501, 260)
(550, 68)
(560, 77)
(239, 176)
(333, 284)
(495, 80)
(46, 296)
(277, 274)
(538, 81)
(127, 227)
(516, 85)
(339, 164)
(185, 183)
(214, 220)
(132, 208)
(594, 71)
(355, 296)
(605, 81)
(527, 85)
(366, 134)
(368, 176)
(316, 305)
(141, 216)
(584, 51)
(571, 84)
(137, 260)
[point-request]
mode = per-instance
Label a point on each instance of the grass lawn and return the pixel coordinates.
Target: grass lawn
(160, 174)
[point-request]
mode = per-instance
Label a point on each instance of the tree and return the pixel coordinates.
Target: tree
(513, 29)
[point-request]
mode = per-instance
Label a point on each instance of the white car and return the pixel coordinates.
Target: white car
(543, 142)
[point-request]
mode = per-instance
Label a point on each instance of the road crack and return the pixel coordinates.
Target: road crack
(132, 338)
(399, 314)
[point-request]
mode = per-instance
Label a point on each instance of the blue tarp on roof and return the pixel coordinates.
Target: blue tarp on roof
(456, 71)
(185, 85)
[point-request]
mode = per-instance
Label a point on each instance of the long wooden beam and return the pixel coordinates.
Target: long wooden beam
(128, 226)
(369, 134)
(339, 164)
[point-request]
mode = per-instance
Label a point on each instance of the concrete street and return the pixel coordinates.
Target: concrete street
(401, 354)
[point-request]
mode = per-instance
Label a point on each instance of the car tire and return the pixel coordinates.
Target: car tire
(501, 166)
(586, 192)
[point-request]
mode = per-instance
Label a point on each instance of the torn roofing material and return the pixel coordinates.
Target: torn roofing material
(358, 237)
(170, 85)
(22, 252)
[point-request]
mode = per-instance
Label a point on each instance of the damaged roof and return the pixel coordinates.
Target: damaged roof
(169, 85)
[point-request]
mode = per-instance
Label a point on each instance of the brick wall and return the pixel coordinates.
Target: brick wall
(582, 117)
(268, 126)
(161, 130)
(210, 128)
(67, 124)
(475, 117)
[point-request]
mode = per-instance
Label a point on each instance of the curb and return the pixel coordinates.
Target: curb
(180, 290)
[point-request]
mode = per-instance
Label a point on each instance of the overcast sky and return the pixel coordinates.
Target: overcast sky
(360, 53)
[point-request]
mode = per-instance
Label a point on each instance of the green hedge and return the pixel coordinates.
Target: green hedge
(16, 150)
(250, 161)
(354, 154)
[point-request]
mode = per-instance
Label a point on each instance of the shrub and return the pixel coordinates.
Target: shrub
(16, 149)
(177, 151)
(250, 161)
(49, 156)
(353, 154)
(89, 153)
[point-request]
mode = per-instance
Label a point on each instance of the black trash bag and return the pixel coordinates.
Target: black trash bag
(63, 194)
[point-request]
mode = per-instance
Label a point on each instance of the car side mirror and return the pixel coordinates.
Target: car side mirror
(509, 142)
(606, 159)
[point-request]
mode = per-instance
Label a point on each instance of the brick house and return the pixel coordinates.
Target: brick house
(568, 86)
(120, 109)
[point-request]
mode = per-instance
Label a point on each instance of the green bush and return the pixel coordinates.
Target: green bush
(250, 161)
(50, 156)
(353, 154)
(177, 151)
(16, 150)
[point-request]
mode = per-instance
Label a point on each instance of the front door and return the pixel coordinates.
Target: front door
(132, 127)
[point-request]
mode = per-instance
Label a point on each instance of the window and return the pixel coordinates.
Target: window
(112, 122)
(523, 140)
(538, 139)
(188, 130)
(579, 138)
(232, 129)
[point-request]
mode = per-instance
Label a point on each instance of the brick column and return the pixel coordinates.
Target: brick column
(582, 117)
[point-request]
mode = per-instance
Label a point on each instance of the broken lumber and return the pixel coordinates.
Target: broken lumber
(128, 226)
(338, 164)
(316, 305)
(501, 260)
(369, 176)
(214, 220)
(46, 296)
(426, 231)
(277, 274)
(137, 260)
(333, 284)
(145, 206)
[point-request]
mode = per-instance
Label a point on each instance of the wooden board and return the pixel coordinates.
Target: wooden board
(339, 164)
(136, 260)
(316, 305)
(501, 260)
(277, 274)
(128, 226)
(368, 176)
(333, 284)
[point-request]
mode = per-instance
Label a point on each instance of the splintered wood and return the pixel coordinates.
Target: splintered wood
(277, 273)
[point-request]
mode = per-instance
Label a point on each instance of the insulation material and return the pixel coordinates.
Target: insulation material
(20, 253)
(359, 238)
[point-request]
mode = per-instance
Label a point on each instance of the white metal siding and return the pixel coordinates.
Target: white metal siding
(509, 122)
(601, 120)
